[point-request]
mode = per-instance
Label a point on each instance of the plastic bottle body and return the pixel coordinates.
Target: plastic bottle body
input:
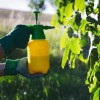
(38, 56)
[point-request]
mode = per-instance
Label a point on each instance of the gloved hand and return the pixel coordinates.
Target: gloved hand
(17, 38)
(19, 66)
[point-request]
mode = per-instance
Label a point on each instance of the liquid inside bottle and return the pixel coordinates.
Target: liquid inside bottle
(38, 56)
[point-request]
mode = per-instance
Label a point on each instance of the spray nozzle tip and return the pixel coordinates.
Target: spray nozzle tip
(48, 27)
(36, 16)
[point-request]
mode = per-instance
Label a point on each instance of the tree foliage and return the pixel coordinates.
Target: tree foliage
(81, 37)
(36, 4)
(39, 4)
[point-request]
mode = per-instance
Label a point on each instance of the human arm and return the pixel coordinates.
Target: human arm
(18, 37)
(2, 53)
(2, 66)
(9, 42)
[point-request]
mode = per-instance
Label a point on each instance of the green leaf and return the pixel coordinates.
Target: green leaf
(97, 66)
(93, 86)
(62, 14)
(72, 60)
(78, 19)
(63, 40)
(82, 26)
(88, 80)
(70, 32)
(65, 55)
(96, 11)
(97, 74)
(75, 45)
(98, 30)
(86, 51)
(70, 22)
(75, 27)
(54, 20)
(79, 5)
(87, 48)
(97, 95)
(84, 40)
(82, 58)
(92, 20)
(69, 10)
(98, 48)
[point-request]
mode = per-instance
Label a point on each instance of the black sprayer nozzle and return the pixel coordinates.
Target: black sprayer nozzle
(36, 16)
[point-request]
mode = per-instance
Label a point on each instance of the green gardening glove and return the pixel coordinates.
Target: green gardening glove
(17, 38)
(19, 66)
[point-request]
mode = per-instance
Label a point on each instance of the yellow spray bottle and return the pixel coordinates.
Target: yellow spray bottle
(38, 50)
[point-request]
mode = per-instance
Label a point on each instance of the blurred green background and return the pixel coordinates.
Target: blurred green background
(58, 84)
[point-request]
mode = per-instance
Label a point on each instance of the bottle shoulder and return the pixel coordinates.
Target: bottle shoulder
(38, 42)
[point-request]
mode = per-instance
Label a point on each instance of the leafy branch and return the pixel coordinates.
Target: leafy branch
(81, 38)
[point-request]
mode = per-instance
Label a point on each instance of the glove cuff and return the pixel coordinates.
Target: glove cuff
(7, 44)
(11, 66)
